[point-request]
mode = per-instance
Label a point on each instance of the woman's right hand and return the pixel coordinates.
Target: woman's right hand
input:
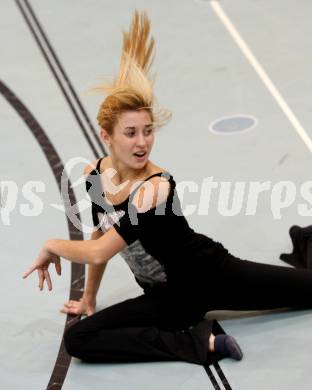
(81, 307)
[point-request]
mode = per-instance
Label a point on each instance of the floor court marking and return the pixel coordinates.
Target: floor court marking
(77, 270)
(215, 5)
(212, 378)
(222, 376)
(60, 75)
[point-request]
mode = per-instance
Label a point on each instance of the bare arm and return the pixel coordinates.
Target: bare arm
(87, 303)
(95, 273)
(95, 252)
(87, 251)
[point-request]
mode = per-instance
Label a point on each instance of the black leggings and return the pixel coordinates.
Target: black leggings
(158, 326)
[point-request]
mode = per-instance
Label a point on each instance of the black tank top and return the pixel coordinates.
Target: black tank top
(163, 231)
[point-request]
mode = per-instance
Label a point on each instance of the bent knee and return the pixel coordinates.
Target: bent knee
(73, 342)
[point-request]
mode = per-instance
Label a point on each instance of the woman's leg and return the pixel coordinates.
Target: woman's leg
(140, 329)
(245, 285)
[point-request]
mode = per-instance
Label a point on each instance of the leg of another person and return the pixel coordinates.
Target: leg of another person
(139, 329)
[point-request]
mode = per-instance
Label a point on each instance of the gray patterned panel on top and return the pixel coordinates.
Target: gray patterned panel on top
(145, 267)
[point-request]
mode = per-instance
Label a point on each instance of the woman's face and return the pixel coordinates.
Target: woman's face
(132, 139)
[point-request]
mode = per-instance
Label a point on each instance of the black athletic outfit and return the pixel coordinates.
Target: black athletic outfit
(183, 274)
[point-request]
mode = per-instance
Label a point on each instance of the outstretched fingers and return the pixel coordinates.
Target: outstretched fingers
(29, 271)
(58, 267)
(48, 279)
(41, 279)
(43, 273)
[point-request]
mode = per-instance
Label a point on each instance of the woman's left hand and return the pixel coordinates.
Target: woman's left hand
(42, 264)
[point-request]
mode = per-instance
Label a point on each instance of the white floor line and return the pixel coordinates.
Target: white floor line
(261, 73)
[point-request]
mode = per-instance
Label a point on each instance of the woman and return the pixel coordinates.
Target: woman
(136, 211)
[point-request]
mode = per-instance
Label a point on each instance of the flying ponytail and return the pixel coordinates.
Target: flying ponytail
(132, 88)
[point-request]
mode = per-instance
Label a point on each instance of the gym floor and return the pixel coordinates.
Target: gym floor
(235, 74)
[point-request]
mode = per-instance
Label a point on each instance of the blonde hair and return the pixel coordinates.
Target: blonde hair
(132, 88)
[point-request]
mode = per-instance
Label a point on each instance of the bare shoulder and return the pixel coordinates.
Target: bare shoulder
(90, 167)
(152, 193)
(155, 169)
